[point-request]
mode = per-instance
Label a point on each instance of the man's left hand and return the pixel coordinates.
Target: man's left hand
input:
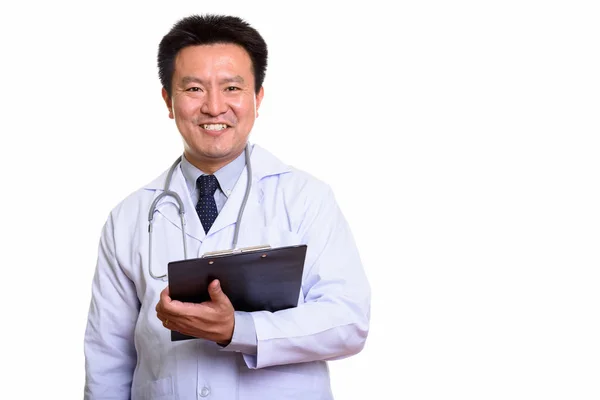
(212, 320)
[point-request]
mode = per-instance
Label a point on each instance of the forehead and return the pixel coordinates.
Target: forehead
(208, 59)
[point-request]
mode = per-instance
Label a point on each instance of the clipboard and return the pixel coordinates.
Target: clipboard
(254, 279)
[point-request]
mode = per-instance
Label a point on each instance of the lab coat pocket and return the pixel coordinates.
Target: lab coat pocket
(277, 237)
(279, 383)
(269, 235)
(254, 233)
(161, 389)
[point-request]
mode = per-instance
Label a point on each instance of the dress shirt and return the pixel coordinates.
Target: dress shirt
(227, 177)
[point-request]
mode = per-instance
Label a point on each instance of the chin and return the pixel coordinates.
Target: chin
(213, 152)
(215, 149)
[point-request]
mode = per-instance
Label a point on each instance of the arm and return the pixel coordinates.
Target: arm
(333, 321)
(110, 355)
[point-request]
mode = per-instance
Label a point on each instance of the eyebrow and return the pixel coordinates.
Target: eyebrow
(235, 79)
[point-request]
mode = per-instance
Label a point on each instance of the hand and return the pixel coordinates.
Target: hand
(212, 320)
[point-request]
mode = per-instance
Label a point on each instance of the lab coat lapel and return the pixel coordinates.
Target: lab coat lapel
(263, 164)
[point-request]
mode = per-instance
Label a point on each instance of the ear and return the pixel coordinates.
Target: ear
(167, 100)
(259, 97)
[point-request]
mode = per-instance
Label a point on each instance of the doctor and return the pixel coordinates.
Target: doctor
(212, 69)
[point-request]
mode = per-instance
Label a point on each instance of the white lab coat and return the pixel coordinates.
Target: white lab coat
(129, 353)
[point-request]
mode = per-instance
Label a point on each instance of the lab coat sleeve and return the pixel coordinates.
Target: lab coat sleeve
(244, 334)
(333, 321)
(110, 356)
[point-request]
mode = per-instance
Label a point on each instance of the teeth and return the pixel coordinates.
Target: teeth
(214, 127)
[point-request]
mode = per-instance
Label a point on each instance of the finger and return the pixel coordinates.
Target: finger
(164, 295)
(167, 320)
(161, 316)
(163, 298)
(166, 303)
(216, 293)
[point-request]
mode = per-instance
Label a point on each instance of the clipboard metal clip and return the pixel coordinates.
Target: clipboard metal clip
(236, 251)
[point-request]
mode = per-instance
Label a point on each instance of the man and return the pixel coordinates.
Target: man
(212, 70)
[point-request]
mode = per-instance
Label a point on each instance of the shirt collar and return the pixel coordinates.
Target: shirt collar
(227, 176)
(263, 164)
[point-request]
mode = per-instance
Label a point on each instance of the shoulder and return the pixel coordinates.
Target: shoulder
(138, 200)
(277, 176)
(300, 202)
(306, 185)
(296, 196)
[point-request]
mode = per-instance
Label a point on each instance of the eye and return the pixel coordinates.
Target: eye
(193, 89)
(232, 88)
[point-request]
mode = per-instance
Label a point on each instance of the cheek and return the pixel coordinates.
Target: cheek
(185, 110)
(244, 110)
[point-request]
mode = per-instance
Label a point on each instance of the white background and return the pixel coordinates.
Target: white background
(477, 123)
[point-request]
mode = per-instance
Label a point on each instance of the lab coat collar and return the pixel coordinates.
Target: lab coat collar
(263, 164)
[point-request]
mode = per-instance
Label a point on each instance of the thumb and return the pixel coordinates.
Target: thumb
(216, 293)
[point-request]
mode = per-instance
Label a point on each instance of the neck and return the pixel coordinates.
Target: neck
(208, 165)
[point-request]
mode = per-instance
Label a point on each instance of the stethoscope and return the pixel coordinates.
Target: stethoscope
(169, 193)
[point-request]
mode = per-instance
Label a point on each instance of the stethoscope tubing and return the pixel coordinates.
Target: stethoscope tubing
(181, 209)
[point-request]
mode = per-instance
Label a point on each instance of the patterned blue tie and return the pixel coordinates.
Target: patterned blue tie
(206, 207)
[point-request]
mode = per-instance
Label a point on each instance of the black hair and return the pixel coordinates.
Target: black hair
(211, 29)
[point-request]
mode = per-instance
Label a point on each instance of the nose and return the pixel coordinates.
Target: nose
(214, 104)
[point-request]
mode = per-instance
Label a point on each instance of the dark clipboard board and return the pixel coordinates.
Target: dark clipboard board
(264, 279)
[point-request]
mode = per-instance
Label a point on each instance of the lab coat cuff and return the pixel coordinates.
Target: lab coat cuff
(244, 334)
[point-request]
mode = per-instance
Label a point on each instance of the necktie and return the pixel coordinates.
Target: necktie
(206, 207)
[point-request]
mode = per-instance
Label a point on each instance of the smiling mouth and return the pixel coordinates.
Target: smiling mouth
(214, 127)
